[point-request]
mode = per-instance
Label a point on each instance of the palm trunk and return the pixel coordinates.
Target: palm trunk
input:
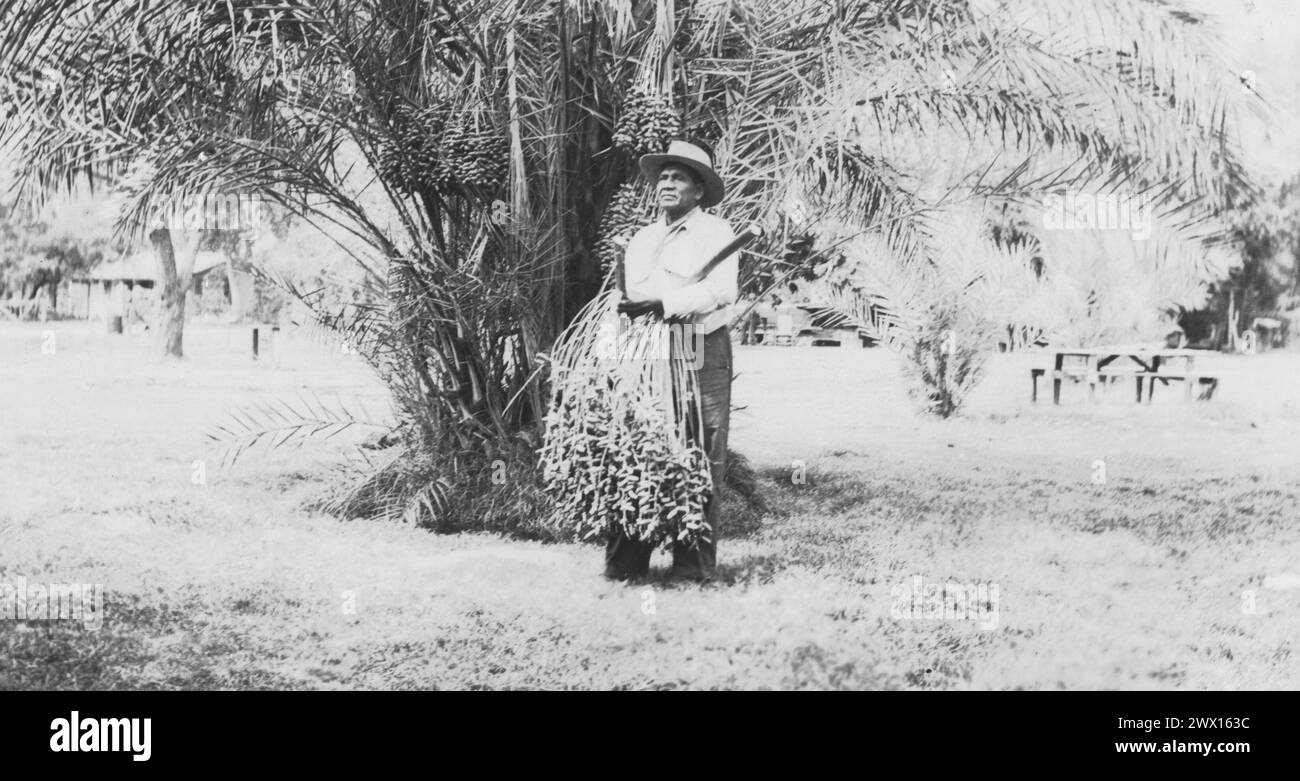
(171, 328)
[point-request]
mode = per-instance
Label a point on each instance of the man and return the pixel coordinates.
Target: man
(662, 268)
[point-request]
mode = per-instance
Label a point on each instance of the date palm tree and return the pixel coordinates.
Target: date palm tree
(476, 156)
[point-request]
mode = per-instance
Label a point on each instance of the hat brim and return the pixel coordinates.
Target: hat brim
(652, 164)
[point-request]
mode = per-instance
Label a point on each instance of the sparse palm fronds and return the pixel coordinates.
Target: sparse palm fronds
(448, 490)
(945, 316)
(742, 482)
(279, 422)
(946, 357)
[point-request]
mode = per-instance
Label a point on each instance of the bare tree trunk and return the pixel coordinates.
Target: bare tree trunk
(171, 295)
(33, 304)
(236, 292)
(1231, 331)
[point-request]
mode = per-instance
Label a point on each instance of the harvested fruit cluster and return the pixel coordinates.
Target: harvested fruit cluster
(647, 124)
(606, 474)
(440, 149)
(621, 449)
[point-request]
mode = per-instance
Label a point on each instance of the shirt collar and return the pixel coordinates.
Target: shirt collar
(681, 221)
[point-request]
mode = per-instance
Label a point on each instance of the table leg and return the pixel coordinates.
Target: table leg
(1056, 378)
(1151, 382)
(1139, 389)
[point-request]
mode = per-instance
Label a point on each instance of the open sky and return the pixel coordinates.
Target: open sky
(1263, 37)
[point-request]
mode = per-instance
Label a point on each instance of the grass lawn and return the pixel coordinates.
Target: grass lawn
(1178, 571)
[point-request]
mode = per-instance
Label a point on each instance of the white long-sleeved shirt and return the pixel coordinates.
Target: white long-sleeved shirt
(663, 259)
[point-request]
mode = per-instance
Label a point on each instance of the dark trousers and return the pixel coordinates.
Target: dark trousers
(626, 557)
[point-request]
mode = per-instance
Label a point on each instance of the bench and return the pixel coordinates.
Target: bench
(1079, 375)
(1210, 384)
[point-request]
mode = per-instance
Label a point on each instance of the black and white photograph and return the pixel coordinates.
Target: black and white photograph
(650, 345)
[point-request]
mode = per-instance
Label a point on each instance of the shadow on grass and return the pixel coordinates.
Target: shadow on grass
(749, 570)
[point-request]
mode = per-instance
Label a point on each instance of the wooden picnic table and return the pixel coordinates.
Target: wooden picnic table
(1143, 364)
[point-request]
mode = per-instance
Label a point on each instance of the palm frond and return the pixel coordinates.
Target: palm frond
(278, 422)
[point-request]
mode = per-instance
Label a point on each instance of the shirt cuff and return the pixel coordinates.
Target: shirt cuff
(694, 299)
(706, 296)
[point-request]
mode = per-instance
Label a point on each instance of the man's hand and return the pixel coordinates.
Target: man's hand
(635, 309)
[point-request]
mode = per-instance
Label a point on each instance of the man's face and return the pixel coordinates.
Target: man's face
(677, 189)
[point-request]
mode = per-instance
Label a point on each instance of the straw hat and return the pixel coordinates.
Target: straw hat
(694, 158)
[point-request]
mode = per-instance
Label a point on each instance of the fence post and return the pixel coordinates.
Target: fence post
(273, 346)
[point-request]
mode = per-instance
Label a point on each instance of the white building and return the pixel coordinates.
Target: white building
(127, 287)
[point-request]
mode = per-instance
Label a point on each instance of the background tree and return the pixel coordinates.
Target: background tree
(1267, 280)
(40, 250)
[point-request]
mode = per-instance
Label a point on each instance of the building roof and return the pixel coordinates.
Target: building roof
(143, 267)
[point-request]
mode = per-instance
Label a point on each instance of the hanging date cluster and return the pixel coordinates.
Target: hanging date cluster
(628, 211)
(438, 148)
(647, 124)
